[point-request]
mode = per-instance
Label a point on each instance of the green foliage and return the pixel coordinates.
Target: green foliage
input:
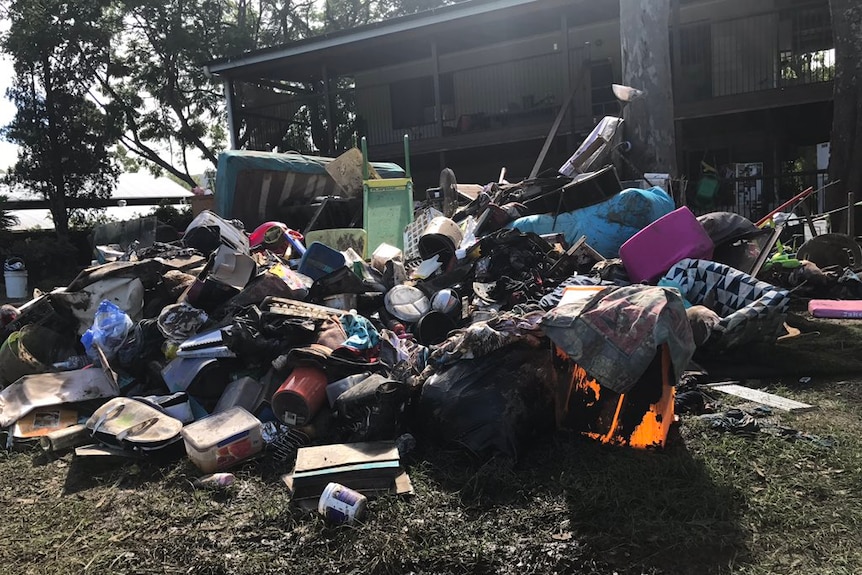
(171, 109)
(128, 162)
(177, 218)
(7, 219)
(63, 135)
(44, 256)
(87, 219)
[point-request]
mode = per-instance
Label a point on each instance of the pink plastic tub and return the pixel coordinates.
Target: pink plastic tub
(655, 249)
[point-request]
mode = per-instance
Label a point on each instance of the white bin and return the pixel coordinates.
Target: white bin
(16, 284)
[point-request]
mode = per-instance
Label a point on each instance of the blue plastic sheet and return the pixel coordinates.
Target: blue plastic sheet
(608, 224)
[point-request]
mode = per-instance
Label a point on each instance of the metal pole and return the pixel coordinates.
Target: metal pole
(567, 64)
(851, 209)
(229, 104)
(407, 155)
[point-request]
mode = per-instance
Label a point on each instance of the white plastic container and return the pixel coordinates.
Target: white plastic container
(223, 439)
(382, 254)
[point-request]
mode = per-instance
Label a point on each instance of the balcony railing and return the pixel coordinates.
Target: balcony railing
(754, 196)
(758, 52)
(511, 96)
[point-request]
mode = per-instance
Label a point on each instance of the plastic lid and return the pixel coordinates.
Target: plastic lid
(210, 430)
(407, 303)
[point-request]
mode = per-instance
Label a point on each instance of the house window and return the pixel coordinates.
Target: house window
(806, 48)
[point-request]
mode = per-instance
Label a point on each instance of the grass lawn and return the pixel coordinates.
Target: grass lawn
(709, 503)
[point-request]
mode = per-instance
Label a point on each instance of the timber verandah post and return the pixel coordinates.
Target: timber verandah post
(327, 106)
(438, 103)
(438, 100)
(231, 110)
(567, 77)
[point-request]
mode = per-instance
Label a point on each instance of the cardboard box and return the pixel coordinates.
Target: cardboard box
(201, 203)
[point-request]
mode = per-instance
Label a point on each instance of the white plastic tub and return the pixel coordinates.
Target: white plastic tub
(223, 439)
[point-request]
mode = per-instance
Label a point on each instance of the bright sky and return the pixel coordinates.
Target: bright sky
(8, 152)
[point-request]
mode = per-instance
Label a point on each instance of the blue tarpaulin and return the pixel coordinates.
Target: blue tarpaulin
(252, 186)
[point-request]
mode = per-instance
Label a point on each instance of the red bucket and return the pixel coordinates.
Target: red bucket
(301, 396)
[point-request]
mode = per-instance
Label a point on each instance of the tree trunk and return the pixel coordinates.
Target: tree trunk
(845, 158)
(649, 120)
(57, 188)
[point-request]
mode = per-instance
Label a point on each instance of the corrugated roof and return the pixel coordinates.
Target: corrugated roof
(393, 26)
(129, 185)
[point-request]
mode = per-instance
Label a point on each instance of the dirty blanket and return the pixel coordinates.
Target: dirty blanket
(750, 310)
(614, 335)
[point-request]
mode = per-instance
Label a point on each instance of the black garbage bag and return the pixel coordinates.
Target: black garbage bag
(727, 227)
(496, 403)
(342, 280)
(142, 344)
(259, 337)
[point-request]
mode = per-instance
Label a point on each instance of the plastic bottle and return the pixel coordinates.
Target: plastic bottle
(215, 481)
(74, 362)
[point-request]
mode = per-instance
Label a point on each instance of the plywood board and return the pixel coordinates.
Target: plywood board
(765, 398)
(328, 456)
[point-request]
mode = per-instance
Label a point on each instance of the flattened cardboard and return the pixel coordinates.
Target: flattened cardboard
(44, 420)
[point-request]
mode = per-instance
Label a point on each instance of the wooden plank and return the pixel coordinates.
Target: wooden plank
(765, 398)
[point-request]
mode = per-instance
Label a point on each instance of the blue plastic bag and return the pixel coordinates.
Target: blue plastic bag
(111, 325)
(608, 224)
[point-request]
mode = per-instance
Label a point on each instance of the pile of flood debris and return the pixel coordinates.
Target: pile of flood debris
(491, 318)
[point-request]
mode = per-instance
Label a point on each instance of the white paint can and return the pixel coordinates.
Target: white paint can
(342, 505)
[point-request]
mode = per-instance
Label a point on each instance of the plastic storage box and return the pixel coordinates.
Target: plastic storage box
(320, 260)
(655, 249)
(223, 439)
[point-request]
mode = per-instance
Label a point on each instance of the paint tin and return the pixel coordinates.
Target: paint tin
(341, 505)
